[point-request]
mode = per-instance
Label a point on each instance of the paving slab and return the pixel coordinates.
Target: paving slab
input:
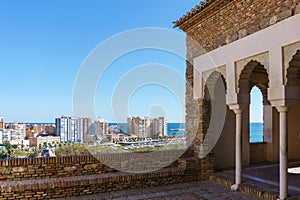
(184, 191)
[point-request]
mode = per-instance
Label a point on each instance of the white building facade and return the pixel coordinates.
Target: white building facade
(70, 129)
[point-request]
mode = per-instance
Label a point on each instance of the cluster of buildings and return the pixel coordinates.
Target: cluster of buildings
(20, 133)
(74, 129)
(77, 129)
(147, 127)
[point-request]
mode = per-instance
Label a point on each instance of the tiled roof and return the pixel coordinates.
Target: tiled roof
(203, 4)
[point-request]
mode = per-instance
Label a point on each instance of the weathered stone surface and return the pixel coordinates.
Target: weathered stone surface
(124, 164)
(242, 33)
(297, 9)
(273, 20)
(265, 23)
(91, 166)
(5, 171)
(253, 29)
(285, 14)
(228, 39)
(234, 37)
(70, 169)
(220, 42)
(19, 169)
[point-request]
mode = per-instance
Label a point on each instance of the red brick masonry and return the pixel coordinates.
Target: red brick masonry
(46, 178)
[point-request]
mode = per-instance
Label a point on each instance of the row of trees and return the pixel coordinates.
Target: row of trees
(13, 151)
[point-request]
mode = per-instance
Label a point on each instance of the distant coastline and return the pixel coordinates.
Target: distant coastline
(256, 129)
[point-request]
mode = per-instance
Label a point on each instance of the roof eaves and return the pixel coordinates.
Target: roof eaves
(191, 13)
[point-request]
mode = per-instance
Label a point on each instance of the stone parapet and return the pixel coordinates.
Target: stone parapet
(55, 167)
(91, 184)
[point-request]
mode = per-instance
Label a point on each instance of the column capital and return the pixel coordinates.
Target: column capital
(237, 108)
(282, 108)
(238, 111)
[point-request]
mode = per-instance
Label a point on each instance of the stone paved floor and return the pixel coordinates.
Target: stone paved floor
(183, 191)
(271, 173)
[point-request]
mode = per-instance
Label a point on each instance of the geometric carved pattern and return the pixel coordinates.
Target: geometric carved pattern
(293, 70)
(254, 74)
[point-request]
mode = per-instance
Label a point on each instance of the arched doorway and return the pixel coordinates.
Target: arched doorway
(254, 75)
(215, 95)
(256, 116)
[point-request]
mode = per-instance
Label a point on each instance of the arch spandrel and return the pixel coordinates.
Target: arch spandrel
(219, 71)
(262, 58)
(291, 55)
(291, 61)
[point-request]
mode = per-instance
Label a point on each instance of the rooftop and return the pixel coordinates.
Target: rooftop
(202, 5)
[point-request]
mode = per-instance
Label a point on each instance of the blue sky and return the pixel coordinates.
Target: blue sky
(44, 43)
(256, 105)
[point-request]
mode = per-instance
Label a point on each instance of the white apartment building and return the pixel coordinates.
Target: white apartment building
(12, 136)
(71, 129)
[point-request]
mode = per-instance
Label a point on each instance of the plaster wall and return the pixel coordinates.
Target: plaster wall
(294, 131)
(226, 159)
(254, 44)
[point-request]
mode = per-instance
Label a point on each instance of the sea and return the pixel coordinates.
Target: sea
(172, 128)
(256, 130)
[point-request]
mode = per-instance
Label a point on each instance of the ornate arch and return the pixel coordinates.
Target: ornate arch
(253, 74)
(293, 71)
(212, 80)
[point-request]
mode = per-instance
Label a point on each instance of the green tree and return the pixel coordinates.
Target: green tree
(8, 148)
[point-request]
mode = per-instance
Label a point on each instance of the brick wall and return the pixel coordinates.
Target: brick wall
(232, 20)
(53, 177)
(55, 167)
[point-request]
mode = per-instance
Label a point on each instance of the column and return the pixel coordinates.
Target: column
(238, 150)
(283, 154)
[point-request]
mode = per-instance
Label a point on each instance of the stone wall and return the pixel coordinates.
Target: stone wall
(82, 185)
(217, 23)
(232, 20)
(55, 167)
(53, 177)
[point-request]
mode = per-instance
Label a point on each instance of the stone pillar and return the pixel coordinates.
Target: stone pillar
(283, 154)
(238, 150)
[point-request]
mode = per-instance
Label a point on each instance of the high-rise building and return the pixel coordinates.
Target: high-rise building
(146, 127)
(100, 128)
(70, 129)
(159, 126)
(2, 125)
(87, 128)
